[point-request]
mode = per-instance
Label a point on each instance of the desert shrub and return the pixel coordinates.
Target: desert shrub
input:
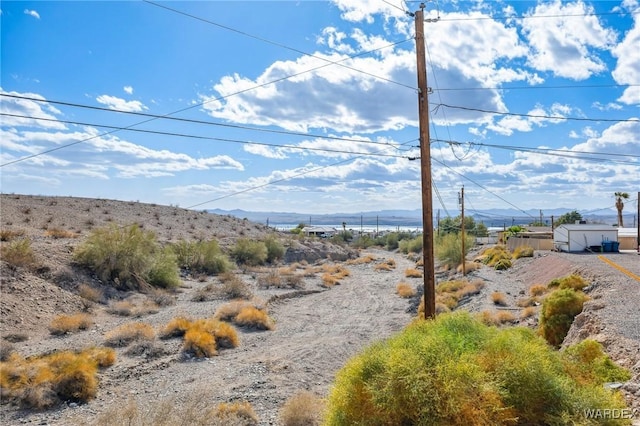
(199, 343)
(573, 281)
(454, 370)
(492, 255)
(302, 409)
(233, 412)
(43, 381)
(272, 279)
(201, 256)
(364, 242)
(275, 249)
(587, 363)
(63, 324)
(413, 245)
(329, 280)
(558, 312)
(161, 297)
(230, 310)
(249, 252)
(537, 290)
(469, 266)
(163, 272)
(176, 327)
(129, 308)
(382, 267)
(254, 318)
(233, 286)
(16, 337)
(405, 290)
(412, 273)
(522, 251)
(502, 264)
(448, 248)
(128, 333)
(499, 298)
(195, 409)
(360, 260)
(10, 234)
(392, 241)
(18, 253)
(58, 233)
(225, 335)
(127, 257)
(528, 312)
(90, 293)
(150, 349)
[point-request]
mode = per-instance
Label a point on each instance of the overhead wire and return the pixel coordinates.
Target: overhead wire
(191, 136)
(549, 117)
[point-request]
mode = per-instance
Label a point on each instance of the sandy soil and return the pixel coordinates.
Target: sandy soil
(316, 330)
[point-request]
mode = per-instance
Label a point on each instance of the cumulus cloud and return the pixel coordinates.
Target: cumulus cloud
(128, 89)
(566, 44)
(626, 71)
(116, 103)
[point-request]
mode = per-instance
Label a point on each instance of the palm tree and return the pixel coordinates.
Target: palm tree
(620, 205)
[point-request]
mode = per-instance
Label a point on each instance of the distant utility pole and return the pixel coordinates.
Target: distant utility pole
(638, 225)
(425, 168)
(464, 258)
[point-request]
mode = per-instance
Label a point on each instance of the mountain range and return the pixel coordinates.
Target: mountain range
(413, 218)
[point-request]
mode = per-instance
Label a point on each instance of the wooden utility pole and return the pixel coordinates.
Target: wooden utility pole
(464, 258)
(425, 168)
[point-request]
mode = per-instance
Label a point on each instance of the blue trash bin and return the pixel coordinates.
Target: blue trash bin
(615, 246)
(607, 246)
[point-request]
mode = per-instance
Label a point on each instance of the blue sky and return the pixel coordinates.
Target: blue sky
(311, 106)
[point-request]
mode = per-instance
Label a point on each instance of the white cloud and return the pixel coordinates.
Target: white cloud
(28, 112)
(566, 45)
(33, 13)
(120, 104)
(128, 89)
(627, 69)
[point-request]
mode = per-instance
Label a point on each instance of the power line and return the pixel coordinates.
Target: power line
(550, 117)
(184, 135)
(273, 182)
(539, 87)
(185, 120)
(276, 43)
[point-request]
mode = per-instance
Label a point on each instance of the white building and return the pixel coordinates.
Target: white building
(579, 237)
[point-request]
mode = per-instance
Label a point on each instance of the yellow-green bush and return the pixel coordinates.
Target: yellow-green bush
(573, 281)
(128, 257)
(558, 311)
(249, 252)
(18, 253)
(493, 255)
(201, 256)
(43, 381)
(456, 371)
(275, 249)
(522, 251)
(448, 248)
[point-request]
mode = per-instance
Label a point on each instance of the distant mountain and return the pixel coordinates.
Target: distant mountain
(413, 218)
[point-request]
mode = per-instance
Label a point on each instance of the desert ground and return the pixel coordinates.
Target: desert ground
(317, 327)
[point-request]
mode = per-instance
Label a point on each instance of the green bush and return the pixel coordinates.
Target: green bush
(558, 311)
(275, 249)
(502, 264)
(128, 257)
(456, 371)
(413, 245)
(448, 248)
(364, 242)
(392, 241)
(201, 256)
(249, 252)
